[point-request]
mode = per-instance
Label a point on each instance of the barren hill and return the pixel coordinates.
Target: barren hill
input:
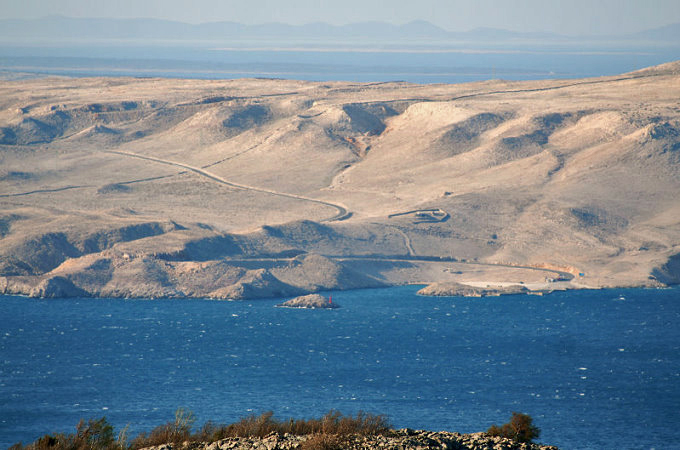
(254, 188)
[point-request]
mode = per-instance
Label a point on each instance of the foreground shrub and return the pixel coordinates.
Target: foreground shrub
(333, 423)
(254, 426)
(329, 432)
(95, 434)
(174, 432)
(519, 429)
(323, 442)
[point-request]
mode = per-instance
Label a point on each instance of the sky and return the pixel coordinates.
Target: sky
(570, 17)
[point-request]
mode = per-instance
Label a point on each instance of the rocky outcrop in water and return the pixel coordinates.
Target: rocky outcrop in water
(463, 290)
(311, 301)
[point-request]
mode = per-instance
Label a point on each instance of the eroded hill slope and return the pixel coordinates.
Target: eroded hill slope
(256, 188)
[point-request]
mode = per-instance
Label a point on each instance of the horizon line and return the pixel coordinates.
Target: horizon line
(366, 22)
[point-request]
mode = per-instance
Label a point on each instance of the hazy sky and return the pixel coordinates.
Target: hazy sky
(561, 16)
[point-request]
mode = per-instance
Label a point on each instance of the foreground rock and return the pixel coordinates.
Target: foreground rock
(463, 290)
(311, 301)
(397, 439)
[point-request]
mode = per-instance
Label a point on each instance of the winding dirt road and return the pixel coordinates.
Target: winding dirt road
(341, 214)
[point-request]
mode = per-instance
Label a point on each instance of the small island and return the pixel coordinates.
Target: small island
(452, 289)
(311, 301)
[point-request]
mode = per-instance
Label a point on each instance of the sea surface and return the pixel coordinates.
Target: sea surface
(449, 64)
(595, 369)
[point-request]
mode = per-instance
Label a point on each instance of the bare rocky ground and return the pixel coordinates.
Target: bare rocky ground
(397, 440)
(310, 301)
(124, 187)
(465, 290)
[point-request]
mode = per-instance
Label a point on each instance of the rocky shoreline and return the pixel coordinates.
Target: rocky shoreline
(463, 290)
(395, 439)
(141, 188)
(311, 301)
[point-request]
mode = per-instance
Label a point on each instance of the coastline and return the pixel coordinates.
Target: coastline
(479, 290)
(172, 188)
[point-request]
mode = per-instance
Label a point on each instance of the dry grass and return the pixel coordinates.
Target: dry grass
(95, 434)
(333, 423)
(175, 432)
(328, 432)
(324, 442)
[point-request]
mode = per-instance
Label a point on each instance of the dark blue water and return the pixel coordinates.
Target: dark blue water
(450, 66)
(596, 369)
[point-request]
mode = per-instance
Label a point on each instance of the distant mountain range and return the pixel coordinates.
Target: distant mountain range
(61, 28)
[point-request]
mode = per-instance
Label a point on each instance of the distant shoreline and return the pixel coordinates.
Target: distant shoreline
(451, 65)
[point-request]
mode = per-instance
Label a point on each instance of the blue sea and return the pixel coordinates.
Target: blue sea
(595, 369)
(430, 65)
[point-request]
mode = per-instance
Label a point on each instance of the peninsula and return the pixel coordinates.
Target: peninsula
(252, 188)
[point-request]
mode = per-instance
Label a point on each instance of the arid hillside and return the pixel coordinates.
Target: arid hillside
(255, 188)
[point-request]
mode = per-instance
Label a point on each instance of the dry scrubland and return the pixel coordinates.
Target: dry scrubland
(333, 431)
(255, 188)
